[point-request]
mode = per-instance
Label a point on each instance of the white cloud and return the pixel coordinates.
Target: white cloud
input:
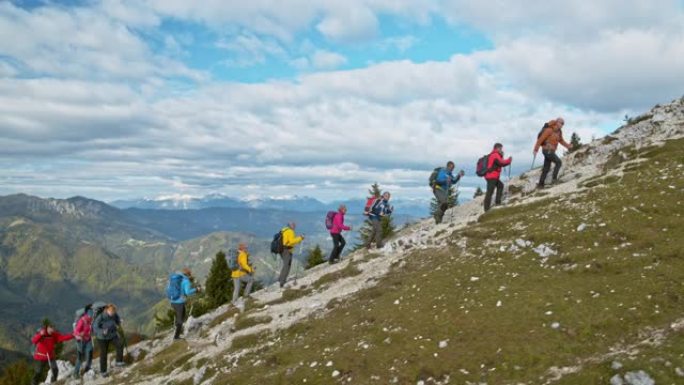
(322, 59)
(247, 49)
(399, 43)
(349, 24)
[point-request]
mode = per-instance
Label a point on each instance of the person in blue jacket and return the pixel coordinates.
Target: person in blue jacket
(178, 297)
(444, 181)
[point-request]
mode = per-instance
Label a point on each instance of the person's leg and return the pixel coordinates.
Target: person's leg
(236, 290)
(54, 369)
(499, 191)
(556, 169)
(38, 369)
(378, 233)
(334, 253)
(371, 235)
(545, 169)
(80, 356)
(103, 345)
(441, 197)
(118, 344)
(179, 308)
(88, 348)
(250, 281)
(491, 184)
(287, 262)
(342, 244)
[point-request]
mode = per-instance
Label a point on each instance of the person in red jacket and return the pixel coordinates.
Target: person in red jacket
(45, 341)
(494, 165)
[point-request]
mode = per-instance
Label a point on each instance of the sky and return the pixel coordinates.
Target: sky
(120, 99)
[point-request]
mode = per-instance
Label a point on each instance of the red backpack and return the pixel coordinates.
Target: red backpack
(369, 204)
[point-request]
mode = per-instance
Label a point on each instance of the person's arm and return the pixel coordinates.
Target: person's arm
(338, 222)
(455, 179)
(187, 287)
(37, 337)
(79, 329)
(562, 141)
(243, 263)
(63, 337)
(506, 162)
(545, 135)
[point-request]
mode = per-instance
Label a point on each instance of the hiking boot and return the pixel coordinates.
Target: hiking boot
(555, 181)
(104, 374)
(540, 186)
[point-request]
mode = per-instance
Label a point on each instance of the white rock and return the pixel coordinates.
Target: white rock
(474, 279)
(581, 227)
(679, 372)
(555, 325)
(498, 303)
(335, 373)
(443, 344)
(544, 251)
(421, 382)
(638, 378)
(616, 365)
(616, 380)
(329, 364)
(65, 370)
(396, 302)
(197, 378)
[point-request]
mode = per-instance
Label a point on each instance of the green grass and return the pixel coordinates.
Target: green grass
(244, 322)
(290, 295)
(350, 270)
(230, 313)
(607, 284)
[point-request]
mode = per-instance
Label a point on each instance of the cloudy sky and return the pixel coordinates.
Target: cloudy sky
(120, 99)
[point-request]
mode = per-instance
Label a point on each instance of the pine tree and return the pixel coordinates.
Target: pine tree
(315, 257)
(478, 192)
(388, 227)
(452, 201)
(219, 284)
(575, 141)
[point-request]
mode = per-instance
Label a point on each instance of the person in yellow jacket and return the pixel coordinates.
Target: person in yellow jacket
(290, 240)
(245, 273)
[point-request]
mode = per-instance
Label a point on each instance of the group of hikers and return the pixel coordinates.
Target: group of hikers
(98, 320)
(104, 322)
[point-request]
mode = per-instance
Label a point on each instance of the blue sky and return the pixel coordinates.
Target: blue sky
(121, 99)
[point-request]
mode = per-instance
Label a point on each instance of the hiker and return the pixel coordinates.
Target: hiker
(494, 165)
(84, 342)
(244, 273)
(442, 182)
(180, 286)
(106, 327)
(45, 340)
(378, 210)
(336, 234)
(549, 139)
(290, 240)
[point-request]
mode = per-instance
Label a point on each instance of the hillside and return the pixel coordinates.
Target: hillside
(580, 283)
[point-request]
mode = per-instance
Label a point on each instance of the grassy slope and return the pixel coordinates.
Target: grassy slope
(606, 288)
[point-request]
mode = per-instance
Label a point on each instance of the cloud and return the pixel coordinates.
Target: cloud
(399, 43)
(247, 49)
(322, 59)
(349, 24)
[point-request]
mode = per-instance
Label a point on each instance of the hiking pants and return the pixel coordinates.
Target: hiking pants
(179, 308)
(84, 352)
(338, 245)
(237, 285)
(39, 371)
(104, 347)
(491, 185)
(287, 262)
(550, 157)
(442, 197)
(375, 234)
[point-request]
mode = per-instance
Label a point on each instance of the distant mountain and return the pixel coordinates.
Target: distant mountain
(415, 208)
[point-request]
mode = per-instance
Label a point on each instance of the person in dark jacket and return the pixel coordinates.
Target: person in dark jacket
(178, 304)
(494, 165)
(378, 210)
(444, 181)
(106, 328)
(45, 340)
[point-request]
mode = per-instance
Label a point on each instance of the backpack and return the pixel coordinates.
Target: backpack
(481, 168)
(370, 202)
(541, 132)
(433, 177)
(233, 264)
(277, 243)
(173, 290)
(329, 218)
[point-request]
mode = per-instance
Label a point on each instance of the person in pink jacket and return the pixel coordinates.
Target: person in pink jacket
(84, 341)
(336, 234)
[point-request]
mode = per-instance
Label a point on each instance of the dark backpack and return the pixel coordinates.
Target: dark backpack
(481, 168)
(277, 243)
(329, 218)
(173, 290)
(433, 176)
(232, 259)
(370, 202)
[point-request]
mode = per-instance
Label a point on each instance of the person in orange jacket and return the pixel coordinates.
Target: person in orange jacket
(45, 340)
(549, 140)
(494, 165)
(244, 273)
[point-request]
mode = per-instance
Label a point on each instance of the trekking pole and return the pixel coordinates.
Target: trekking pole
(533, 159)
(299, 253)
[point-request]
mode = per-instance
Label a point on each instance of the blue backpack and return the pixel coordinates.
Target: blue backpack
(173, 290)
(233, 264)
